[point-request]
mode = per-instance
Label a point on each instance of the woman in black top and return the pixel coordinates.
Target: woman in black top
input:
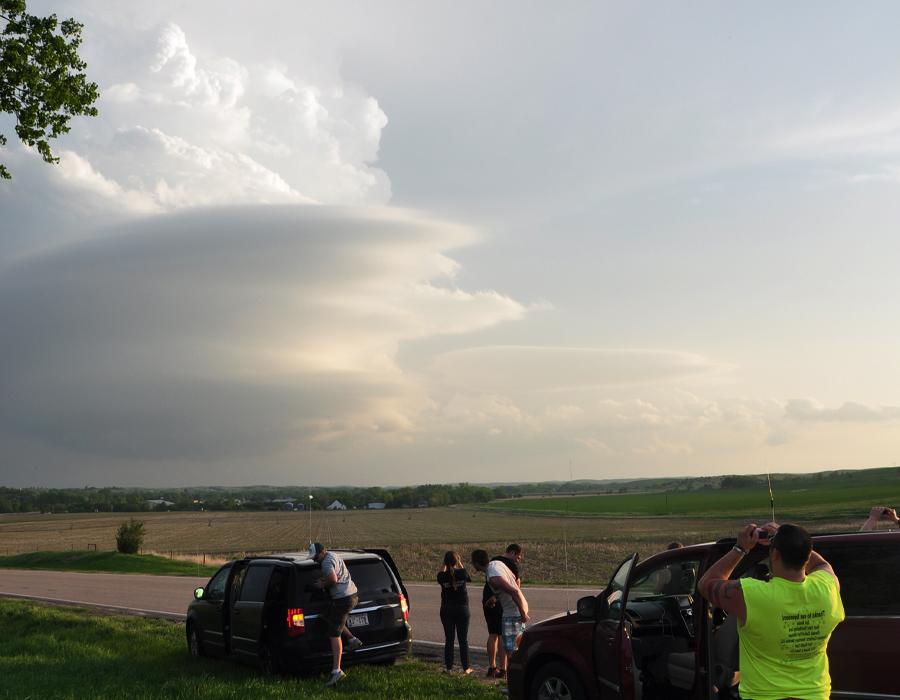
(455, 609)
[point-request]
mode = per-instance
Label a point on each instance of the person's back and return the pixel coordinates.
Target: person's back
(344, 585)
(453, 586)
(784, 639)
(784, 624)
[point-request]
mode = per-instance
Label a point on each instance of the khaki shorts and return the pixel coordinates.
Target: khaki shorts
(335, 617)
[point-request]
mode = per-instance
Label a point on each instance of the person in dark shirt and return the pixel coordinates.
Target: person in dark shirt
(455, 610)
(493, 614)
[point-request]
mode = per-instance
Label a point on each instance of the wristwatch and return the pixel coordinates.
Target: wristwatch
(738, 548)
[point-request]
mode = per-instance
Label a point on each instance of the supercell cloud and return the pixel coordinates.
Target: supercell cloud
(230, 332)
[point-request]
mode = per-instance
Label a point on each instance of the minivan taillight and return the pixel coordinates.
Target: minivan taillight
(296, 625)
(404, 608)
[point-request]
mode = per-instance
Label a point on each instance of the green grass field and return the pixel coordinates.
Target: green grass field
(51, 652)
(808, 499)
(105, 561)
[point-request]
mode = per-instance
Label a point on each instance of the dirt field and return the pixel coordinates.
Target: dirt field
(558, 550)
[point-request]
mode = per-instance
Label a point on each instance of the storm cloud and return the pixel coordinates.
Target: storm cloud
(230, 331)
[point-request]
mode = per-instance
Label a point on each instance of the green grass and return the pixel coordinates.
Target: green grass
(105, 561)
(52, 652)
(809, 499)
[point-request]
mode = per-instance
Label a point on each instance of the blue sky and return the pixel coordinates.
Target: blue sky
(400, 243)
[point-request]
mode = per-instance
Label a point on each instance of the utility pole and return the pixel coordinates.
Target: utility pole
(310, 518)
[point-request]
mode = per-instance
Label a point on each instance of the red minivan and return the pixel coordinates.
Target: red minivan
(648, 635)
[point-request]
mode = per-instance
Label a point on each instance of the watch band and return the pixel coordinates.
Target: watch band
(738, 548)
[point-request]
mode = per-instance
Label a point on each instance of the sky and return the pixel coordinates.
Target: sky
(400, 243)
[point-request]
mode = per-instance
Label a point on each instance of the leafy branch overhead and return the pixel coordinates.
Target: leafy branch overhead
(42, 78)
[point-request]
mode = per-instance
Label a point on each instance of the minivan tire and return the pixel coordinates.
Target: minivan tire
(194, 641)
(556, 681)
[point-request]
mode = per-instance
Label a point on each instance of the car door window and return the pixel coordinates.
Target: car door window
(255, 584)
(616, 589)
(215, 589)
(673, 578)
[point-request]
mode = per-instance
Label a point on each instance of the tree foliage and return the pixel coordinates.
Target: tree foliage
(42, 78)
(130, 536)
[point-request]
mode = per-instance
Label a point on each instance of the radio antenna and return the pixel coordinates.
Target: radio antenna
(771, 496)
(566, 540)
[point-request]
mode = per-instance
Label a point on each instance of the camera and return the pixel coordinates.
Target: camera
(762, 533)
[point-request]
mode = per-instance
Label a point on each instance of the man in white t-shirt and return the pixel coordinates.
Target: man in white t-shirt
(337, 581)
(515, 608)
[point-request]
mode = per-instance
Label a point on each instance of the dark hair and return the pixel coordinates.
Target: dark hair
(480, 558)
(514, 549)
(794, 544)
(451, 563)
(674, 545)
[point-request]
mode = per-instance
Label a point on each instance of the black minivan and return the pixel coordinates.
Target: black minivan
(265, 610)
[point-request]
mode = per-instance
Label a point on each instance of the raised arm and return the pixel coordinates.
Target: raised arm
(817, 563)
(877, 514)
(715, 585)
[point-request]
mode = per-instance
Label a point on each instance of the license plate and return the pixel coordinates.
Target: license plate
(358, 621)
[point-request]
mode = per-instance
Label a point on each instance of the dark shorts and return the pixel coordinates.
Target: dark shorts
(335, 616)
(493, 617)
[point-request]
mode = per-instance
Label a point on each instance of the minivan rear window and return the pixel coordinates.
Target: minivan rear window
(371, 576)
(862, 592)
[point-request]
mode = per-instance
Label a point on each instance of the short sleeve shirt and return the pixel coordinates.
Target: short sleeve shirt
(498, 568)
(344, 586)
(784, 640)
(453, 587)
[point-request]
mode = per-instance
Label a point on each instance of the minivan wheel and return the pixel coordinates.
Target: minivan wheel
(194, 643)
(556, 681)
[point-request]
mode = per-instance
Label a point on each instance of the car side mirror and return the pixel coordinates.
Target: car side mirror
(587, 607)
(198, 593)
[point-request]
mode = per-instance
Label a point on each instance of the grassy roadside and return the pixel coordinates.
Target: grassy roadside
(112, 562)
(53, 652)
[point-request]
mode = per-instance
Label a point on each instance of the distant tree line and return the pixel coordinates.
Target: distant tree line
(129, 500)
(217, 498)
(104, 500)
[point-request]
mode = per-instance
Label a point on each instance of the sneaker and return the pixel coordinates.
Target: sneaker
(353, 644)
(335, 678)
(490, 672)
(468, 671)
(447, 670)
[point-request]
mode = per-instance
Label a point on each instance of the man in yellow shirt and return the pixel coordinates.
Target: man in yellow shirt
(784, 624)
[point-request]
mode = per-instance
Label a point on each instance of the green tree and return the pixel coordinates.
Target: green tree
(42, 78)
(130, 536)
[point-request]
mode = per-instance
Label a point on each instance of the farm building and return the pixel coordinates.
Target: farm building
(287, 504)
(157, 503)
(375, 506)
(335, 505)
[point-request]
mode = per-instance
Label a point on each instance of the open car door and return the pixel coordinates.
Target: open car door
(613, 657)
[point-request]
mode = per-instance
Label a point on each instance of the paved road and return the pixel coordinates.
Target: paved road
(168, 596)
